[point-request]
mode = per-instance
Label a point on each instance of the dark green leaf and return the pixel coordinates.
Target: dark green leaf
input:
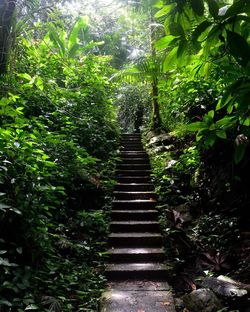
(221, 134)
(197, 6)
(236, 8)
(182, 48)
(213, 8)
(176, 29)
(239, 153)
(200, 29)
(238, 47)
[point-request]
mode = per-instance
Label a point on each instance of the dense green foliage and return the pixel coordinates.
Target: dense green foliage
(60, 105)
(57, 140)
(207, 58)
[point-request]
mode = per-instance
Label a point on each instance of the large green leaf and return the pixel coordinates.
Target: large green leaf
(170, 59)
(164, 11)
(164, 42)
(197, 6)
(200, 29)
(81, 24)
(238, 47)
(196, 126)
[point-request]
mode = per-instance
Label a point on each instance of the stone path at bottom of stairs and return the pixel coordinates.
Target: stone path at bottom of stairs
(136, 272)
(137, 296)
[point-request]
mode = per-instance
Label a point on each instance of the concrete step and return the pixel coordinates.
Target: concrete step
(133, 179)
(142, 160)
(129, 173)
(142, 204)
(133, 166)
(134, 226)
(128, 255)
(132, 215)
(134, 187)
(128, 195)
(135, 239)
(149, 271)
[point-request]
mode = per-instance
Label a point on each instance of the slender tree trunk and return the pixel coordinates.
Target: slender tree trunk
(156, 119)
(7, 9)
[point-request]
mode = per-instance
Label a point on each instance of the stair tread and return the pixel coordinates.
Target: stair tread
(140, 211)
(152, 266)
(134, 192)
(138, 250)
(135, 184)
(134, 234)
(134, 222)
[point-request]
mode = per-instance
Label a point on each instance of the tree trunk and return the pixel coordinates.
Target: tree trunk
(7, 9)
(156, 119)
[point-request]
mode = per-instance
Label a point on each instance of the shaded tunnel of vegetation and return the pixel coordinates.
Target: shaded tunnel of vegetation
(74, 75)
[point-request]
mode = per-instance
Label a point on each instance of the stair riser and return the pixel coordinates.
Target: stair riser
(130, 135)
(135, 242)
(136, 173)
(132, 196)
(133, 206)
(116, 216)
(134, 188)
(134, 228)
(134, 154)
(127, 161)
(139, 258)
(131, 142)
(133, 167)
(136, 275)
(134, 179)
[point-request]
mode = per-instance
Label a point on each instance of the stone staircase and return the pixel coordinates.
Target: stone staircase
(135, 241)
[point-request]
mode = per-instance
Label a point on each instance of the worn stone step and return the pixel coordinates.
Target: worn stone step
(133, 166)
(135, 239)
(134, 187)
(132, 173)
(142, 160)
(133, 179)
(134, 226)
(142, 204)
(132, 215)
(128, 195)
(148, 270)
(118, 255)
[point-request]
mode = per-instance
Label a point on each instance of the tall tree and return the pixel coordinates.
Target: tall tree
(7, 10)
